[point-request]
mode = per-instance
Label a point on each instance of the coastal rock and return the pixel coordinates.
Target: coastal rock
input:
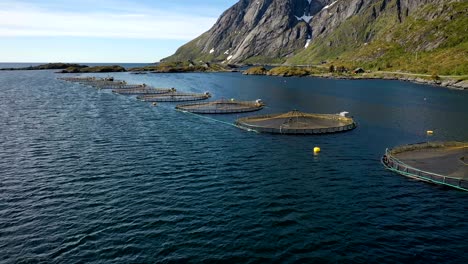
(461, 85)
(259, 70)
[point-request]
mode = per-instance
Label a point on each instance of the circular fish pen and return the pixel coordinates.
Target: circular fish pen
(297, 123)
(443, 163)
(222, 107)
(100, 83)
(92, 80)
(142, 91)
(116, 85)
(173, 97)
(77, 79)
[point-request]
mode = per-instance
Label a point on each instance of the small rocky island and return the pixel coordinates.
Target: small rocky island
(86, 69)
(48, 66)
(69, 68)
(184, 66)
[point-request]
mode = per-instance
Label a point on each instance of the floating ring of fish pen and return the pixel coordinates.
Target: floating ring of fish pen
(297, 123)
(111, 83)
(85, 80)
(222, 107)
(101, 83)
(174, 97)
(76, 79)
(435, 162)
(142, 91)
(114, 85)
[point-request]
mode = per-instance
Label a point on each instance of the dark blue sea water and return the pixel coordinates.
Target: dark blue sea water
(87, 176)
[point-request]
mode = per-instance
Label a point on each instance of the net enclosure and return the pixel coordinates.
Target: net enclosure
(111, 85)
(78, 79)
(102, 83)
(143, 90)
(296, 122)
(222, 106)
(174, 97)
(92, 80)
(444, 163)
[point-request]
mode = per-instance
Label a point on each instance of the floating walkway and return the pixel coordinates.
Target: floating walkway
(142, 91)
(104, 83)
(77, 79)
(444, 163)
(116, 85)
(222, 107)
(101, 83)
(297, 123)
(294, 122)
(90, 80)
(174, 97)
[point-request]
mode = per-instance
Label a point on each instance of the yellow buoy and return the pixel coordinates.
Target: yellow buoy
(430, 132)
(317, 150)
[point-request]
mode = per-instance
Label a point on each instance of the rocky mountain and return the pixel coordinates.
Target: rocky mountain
(255, 31)
(386, 34)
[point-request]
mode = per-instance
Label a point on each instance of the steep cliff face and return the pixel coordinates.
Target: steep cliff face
(255, 30)
(376, 33)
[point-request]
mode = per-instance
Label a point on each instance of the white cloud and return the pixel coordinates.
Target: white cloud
(25, 19)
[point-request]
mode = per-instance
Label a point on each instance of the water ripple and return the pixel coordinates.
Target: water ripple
(89, 176)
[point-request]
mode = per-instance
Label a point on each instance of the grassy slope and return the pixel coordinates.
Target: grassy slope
(398, 46)
(185, 66)
(192, 51)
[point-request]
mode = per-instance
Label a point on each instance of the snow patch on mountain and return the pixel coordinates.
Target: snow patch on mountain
(305, 17)
(329, 6)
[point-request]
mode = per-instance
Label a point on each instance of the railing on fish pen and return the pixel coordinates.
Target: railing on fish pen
(222, 106)
(296, 123)
(174, 97)
(101, 83)
(143, 91)
(116, 85)
(394, 164)
(87, 79)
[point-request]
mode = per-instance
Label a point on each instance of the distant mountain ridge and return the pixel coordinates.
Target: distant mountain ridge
(387, 34)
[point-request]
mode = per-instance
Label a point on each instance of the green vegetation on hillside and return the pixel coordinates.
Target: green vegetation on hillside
(285, 71)
(288, 71)
(264, 60)
(186, 66)
(191, 51)
(434, 40)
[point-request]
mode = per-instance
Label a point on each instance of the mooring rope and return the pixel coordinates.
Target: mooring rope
(215, 120)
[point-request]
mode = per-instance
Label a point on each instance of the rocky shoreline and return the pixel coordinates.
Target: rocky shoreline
(447, 83)
(291, 71)
(458, 83)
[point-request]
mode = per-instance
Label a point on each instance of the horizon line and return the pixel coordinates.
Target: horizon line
(69, 62)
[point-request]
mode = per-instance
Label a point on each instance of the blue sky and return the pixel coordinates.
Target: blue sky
(101, 31)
